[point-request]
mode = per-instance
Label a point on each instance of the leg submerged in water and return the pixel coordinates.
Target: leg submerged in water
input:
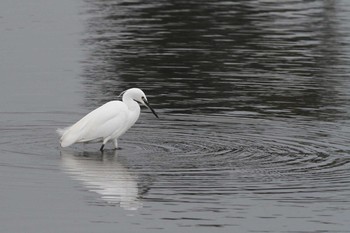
(115, 143)
(101, 149)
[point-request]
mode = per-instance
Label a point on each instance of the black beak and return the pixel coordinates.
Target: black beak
(149, 106)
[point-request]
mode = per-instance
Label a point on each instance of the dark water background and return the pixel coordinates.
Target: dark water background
(254, 104)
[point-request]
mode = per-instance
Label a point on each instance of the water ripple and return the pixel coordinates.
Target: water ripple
(217, 152)
(226, 158)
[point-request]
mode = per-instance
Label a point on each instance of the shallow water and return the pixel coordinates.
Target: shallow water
(254, 106)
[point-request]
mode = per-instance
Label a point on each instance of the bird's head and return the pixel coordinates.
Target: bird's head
(139, 96)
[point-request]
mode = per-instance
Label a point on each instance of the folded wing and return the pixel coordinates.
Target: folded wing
(99, 124)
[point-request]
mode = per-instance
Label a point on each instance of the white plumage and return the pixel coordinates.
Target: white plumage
(108, 122)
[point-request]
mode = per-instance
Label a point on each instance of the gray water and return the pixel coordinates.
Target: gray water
(253, 98)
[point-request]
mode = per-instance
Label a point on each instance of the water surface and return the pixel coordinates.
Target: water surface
(254, 106)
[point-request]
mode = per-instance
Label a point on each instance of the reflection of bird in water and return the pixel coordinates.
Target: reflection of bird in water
(104, 175)
(108, 122)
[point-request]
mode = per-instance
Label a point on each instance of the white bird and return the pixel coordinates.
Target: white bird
(108, 122)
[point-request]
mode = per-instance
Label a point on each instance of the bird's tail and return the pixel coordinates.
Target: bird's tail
(66, 139)
(61, 131)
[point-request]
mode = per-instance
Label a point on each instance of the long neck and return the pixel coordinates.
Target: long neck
(134, 108)
(132, 104)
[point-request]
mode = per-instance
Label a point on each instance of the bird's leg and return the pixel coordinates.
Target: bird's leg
(101, 149)
(115, 143)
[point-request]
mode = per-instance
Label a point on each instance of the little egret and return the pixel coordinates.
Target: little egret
(108, 122)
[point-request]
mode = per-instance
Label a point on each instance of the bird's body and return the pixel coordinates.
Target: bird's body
(108, 122)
